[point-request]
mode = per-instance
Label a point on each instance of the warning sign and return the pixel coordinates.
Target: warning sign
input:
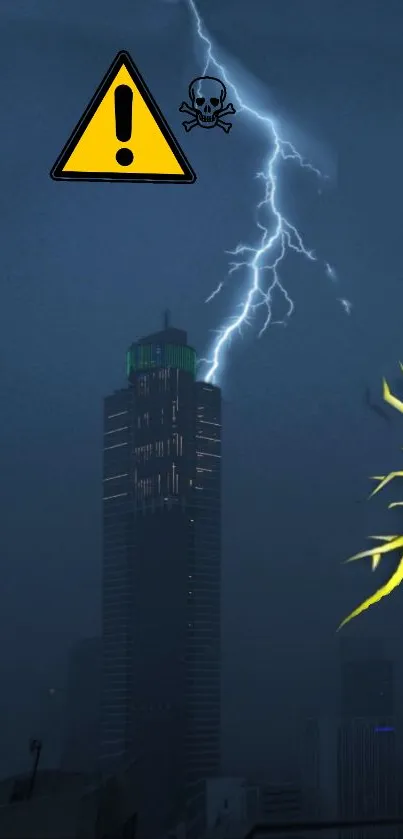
(123, 136)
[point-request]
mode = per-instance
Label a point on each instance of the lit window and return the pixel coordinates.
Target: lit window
(115, 430)
(115, 477)
(116, 446)
(120, 414)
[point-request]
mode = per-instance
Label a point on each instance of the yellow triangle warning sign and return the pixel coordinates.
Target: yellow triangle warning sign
(123, 136)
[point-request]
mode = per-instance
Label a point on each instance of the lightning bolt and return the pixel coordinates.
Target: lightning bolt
(278, 237)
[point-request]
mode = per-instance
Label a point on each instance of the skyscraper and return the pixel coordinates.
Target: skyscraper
(161, 573)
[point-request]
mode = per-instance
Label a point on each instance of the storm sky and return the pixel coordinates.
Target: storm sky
(87, 268)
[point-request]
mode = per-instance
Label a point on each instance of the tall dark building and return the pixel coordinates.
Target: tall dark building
(161, 575)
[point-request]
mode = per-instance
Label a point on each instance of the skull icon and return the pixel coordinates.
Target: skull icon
(207, 96)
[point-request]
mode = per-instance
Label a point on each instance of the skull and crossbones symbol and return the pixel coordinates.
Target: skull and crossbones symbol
(207, 96)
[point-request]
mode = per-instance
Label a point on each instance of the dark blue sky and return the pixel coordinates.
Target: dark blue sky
(87, 268)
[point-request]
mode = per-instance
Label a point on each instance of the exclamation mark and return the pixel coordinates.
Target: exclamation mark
(123, 122)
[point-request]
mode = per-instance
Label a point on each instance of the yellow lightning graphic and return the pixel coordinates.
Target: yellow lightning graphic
(391, 543)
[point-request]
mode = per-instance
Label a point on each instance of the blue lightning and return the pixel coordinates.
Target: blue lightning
(274, 243)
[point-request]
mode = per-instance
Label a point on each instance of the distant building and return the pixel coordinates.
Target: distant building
(83, 708)
(367, 769)
(367, 736)
(349, 762)
(161, 576)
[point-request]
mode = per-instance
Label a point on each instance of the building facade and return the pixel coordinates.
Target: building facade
(162, 573)
(367, 739)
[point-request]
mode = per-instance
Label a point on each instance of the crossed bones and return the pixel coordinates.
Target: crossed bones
(190, 123)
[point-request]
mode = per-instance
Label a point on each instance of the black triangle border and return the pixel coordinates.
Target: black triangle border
(122, 59)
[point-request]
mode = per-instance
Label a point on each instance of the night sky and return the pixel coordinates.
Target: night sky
(87, 268)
